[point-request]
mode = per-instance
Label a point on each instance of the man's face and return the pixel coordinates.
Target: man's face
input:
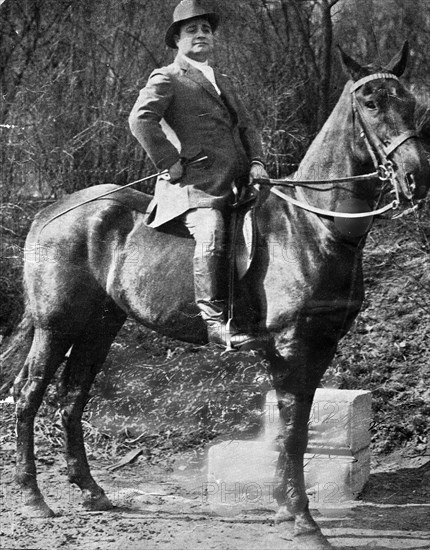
(195, 39)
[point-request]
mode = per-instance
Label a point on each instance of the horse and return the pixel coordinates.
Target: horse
(90, 263)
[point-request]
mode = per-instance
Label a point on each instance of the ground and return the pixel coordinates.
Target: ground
(161, 507)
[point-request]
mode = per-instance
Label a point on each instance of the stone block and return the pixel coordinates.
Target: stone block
(235, 460)
(241, 474)
(332, 479)
(340, 419)
(241, 477)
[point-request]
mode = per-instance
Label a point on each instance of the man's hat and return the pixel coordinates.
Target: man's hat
(188, 9)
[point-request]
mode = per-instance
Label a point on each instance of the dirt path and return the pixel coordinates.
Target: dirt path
(165, 510)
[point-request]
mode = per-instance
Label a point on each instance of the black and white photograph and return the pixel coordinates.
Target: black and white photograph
(215, 283)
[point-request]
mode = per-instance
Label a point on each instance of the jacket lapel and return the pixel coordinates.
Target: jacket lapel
(227, 93)
(197, 76)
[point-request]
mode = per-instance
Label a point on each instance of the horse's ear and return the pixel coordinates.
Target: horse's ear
(398, 64)
(354, 69)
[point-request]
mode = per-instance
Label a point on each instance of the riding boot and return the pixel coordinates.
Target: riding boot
(207, 276)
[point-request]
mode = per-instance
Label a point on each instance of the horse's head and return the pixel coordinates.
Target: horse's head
(384, 116)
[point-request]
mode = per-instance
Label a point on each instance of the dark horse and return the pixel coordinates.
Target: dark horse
(87, 270)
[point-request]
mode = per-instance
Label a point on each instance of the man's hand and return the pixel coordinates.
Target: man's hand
(176, 171)
(256, 172)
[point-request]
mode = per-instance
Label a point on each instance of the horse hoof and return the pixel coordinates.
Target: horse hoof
(98, 504)
(312, 541)
(37, 510)
(283, 515)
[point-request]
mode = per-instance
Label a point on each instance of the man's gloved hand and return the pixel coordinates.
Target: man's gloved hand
(250, 191)
(176, 171)
(256, 172)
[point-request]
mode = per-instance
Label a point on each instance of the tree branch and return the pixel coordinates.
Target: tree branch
(145, 47)
(272, 20)
(305, 37)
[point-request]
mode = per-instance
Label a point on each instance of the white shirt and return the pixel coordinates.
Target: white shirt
(206, 69)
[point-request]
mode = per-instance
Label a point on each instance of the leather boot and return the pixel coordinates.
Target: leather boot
(207, 273)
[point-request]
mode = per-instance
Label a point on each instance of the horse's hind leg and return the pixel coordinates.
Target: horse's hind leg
(46, 354)
(87, 356)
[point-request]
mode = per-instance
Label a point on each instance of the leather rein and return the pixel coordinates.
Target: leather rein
(384, 168)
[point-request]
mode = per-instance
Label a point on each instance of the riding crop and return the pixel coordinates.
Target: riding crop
(163, 173)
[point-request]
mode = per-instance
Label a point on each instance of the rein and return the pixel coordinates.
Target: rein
(384, 168)
(332, 213)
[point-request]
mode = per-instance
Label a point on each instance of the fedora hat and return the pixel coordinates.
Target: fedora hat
(188, 9)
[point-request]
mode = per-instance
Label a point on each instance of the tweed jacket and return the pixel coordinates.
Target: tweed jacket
(206, 124)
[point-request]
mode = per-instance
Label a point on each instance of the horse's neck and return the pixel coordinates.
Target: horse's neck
(330, 156)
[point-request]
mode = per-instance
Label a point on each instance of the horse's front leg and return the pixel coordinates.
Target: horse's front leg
(290, 493)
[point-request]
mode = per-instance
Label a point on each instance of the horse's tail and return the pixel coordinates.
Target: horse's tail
(13, 353)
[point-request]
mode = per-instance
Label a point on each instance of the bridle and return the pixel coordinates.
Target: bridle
(379, 151)
(375, 146)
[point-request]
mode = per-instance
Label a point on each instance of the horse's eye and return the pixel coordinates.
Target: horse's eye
(370, 105)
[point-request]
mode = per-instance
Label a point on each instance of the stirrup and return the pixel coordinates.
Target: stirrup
(228, 346)
(227, 335)
(242, 339)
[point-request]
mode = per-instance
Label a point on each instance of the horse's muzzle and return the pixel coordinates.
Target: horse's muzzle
(419, 186)
(414, 180)
(408, 186)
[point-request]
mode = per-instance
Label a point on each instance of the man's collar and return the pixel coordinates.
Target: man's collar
(195, 74)
(196, 64)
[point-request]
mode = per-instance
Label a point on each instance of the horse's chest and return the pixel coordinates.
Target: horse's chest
(305, 279)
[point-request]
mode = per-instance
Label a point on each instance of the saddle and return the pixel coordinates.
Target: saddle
(243, 237)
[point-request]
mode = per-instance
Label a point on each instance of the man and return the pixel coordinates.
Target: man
(184, 113)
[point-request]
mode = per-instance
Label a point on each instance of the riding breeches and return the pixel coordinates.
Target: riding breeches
(207, 227)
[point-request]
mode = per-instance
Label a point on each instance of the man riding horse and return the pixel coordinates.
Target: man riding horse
(185, 112)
